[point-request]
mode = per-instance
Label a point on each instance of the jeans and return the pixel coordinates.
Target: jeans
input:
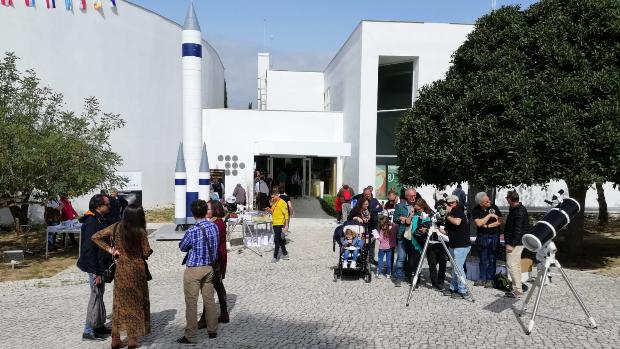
(401, 258)
(349, 253)
(88, 327)
(278, 241)
(459, 254)
(488, 246)
(436, 256)
(388, 261)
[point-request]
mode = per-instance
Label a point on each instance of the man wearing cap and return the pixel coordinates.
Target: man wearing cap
(458, 234)
(517, 224)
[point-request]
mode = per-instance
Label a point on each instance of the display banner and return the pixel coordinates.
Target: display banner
(380, 182)
(392, 179)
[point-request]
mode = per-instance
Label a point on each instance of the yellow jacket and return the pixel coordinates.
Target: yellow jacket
(279, 212)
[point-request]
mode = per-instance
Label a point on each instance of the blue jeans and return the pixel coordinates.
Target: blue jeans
(401, 258)
(488, 246)
(459, 255)
(348, 253)
(388, 261)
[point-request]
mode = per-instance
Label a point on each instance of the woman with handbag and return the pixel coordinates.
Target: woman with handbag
(130, 247)
(216, 214)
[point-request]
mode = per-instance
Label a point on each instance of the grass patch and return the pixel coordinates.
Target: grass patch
(160, 215)
(327, 203)
(35, 266)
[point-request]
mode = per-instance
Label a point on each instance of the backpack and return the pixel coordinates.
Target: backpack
(346, 195)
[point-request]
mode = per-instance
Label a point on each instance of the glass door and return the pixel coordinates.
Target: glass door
(306, 186)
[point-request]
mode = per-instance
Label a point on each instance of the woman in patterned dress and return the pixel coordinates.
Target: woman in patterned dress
(130, 306)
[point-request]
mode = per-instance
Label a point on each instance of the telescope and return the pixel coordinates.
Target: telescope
(546, 229)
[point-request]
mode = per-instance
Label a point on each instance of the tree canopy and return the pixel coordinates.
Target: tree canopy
(531, 96)
(46, 150)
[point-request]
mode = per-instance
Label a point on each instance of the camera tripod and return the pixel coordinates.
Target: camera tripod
(459, 270)
(548, 262)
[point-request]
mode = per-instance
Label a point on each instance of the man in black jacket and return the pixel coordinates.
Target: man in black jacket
(94, 261)
(517, 224)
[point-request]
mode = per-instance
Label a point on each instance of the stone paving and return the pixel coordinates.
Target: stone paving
(296, 304)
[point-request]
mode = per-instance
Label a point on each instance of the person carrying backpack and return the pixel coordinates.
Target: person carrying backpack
(346, 194)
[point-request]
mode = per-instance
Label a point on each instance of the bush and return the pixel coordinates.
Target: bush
(327, 203)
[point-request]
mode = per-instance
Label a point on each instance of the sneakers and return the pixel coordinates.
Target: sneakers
(353, 264)
(378, 276)
(514, 294)
(447, 292)
(345, 265)
(184, 340)
(397, 283)
(457, 295)
(479, 283)
(274, 260)
(285, 257)
(388, 276)
(489, 284)
(92, 337)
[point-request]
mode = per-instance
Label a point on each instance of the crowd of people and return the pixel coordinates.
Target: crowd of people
(402, 238)
(114, 237)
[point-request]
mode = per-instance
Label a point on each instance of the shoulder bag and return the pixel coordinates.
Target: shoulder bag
(108, 273)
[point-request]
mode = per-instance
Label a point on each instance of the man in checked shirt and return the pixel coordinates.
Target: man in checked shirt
(200, 242)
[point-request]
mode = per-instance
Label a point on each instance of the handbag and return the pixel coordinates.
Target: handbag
(108, 273)
(149, 277)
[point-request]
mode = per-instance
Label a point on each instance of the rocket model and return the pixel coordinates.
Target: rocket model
(192, 170)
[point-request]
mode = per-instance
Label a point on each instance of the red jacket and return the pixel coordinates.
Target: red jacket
(68, 213)
(338, 204)
(222, 254)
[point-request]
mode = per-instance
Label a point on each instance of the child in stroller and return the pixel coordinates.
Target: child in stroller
(353, 258)
(351, 244)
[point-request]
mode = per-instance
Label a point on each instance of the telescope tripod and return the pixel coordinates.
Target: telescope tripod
(459, 269)
(550, 261)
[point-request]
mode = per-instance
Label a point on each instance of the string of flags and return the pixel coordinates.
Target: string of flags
(98, 4)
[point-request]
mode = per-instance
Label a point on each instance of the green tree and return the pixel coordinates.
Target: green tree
(532, 96)
(45, 150)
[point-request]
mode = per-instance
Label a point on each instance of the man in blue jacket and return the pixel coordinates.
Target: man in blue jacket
(94, 261)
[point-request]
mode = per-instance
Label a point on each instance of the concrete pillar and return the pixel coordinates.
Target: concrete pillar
(339, 172)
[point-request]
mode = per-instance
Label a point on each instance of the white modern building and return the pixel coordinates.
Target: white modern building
(331, 127)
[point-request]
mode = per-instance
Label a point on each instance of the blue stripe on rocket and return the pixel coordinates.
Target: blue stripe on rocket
(191, 50)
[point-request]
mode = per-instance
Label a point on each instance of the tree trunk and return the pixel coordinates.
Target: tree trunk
(603, 215)
(574, 231)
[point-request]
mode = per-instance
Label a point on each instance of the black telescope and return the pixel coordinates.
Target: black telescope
(548, 227)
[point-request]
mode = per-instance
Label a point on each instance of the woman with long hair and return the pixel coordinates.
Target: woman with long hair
(216, 214)
(130, 247)
(361, 213)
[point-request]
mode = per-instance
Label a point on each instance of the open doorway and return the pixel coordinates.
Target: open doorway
(300, 176)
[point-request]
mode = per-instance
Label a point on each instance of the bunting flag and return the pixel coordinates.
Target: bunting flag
(97, 4)
(32, 3)
(112, 3)
(69, 5)
(47, 3)
(83, 4)
(28, 3)
(53, 3)
(3, 2)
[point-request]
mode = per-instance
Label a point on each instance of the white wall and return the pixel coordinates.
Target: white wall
(130, 59)
(343, 79)
(432, 44)
(246, 133)
(294, 90)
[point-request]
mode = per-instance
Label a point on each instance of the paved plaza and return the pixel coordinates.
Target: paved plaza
(296, 304)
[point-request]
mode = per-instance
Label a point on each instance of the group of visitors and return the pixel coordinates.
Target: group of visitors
(401, 239)
(119, 251)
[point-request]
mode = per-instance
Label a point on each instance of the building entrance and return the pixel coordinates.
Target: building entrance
(300, 176)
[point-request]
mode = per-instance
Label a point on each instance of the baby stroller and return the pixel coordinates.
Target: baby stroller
(361, 266)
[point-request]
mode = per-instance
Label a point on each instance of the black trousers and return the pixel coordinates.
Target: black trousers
(278, 241)
(436, 257)
(413, 259)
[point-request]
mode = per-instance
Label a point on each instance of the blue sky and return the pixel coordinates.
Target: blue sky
(301, 34)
